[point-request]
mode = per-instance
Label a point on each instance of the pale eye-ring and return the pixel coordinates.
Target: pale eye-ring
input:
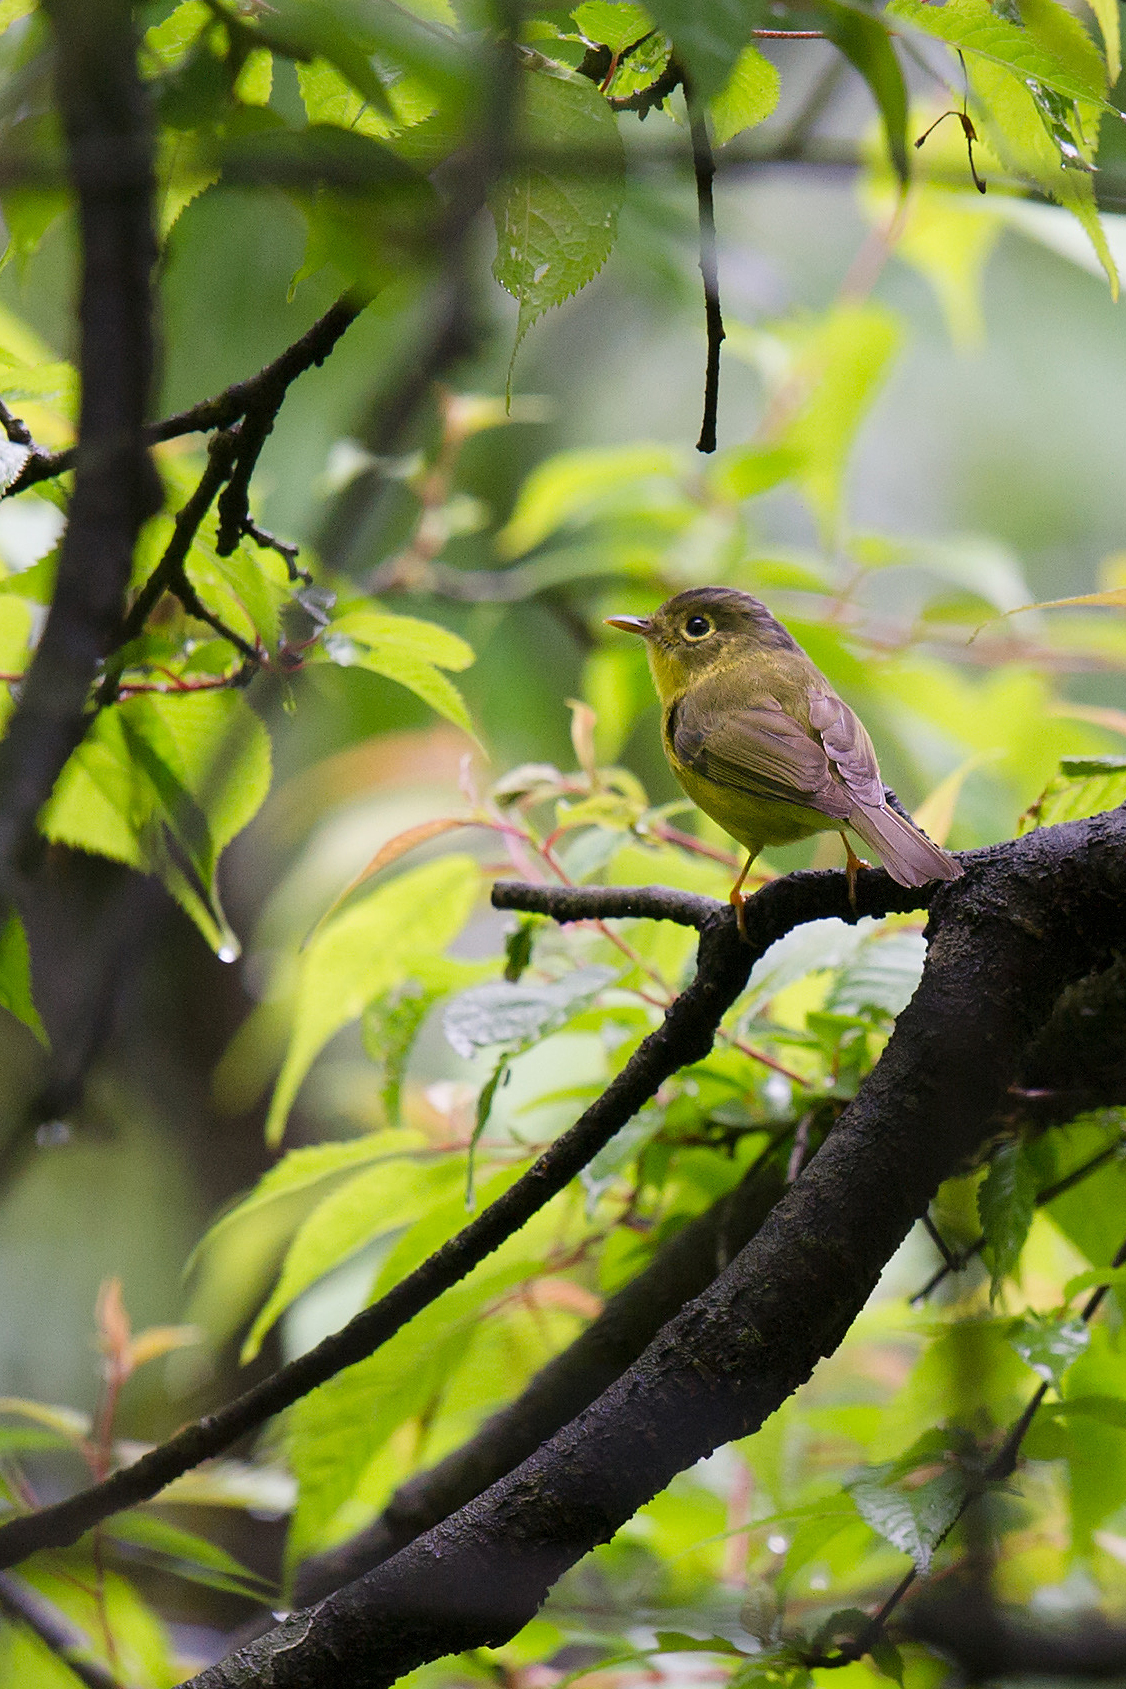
(697, 627)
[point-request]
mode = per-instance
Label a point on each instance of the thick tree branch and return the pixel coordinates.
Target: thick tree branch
(104, 114)
(684, 1036)
(1028, 919)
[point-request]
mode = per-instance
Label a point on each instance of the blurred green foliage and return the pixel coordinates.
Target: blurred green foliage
(406, 1050)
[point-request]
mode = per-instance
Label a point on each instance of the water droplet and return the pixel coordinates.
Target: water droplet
(52, 1133)
(228, 953)
(777, 1544)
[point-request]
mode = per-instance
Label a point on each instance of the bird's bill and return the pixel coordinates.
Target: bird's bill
(631, 624)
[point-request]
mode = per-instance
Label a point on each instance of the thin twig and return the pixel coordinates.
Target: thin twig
(169, 574)
(227, 407)
(15, 428)
(958, 1259)
(703, 164)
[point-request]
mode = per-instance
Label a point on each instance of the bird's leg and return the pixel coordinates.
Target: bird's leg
(738, 901)
(853, 865)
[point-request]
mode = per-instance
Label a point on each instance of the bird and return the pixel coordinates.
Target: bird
(758, 738)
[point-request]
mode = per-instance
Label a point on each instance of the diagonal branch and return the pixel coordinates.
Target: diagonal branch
(1026, 920)
(684, 1036)
(225, 408)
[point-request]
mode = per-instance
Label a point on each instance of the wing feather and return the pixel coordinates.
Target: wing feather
(759, 750)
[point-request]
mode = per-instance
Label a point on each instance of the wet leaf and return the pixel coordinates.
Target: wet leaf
(1006, 1202)
(1049, 1345)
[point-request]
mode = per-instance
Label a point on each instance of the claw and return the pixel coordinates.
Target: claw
(853, 865)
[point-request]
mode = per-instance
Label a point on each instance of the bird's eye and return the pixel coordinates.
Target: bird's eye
(697, 627)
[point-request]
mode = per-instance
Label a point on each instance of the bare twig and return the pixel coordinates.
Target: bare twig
(703, 164)
(311, 349)
(956, 1260)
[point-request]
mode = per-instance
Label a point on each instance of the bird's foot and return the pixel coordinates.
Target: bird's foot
(853, 865)
(738, 901)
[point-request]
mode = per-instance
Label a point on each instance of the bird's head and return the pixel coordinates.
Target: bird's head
(702, 631)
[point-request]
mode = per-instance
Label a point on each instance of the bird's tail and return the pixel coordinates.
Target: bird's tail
(908, 855)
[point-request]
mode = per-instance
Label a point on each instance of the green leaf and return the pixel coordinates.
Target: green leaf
(1106, 11)
(556, 221)
(168, 42)
(236, 1261)
(572, 487)
(864, 41)
(369, 213)
(255, 81)
(824, 373)
(614, 23)
(15, 978)
(883, 975)
(334, 1433)
(410, 670)
(374, 42)
(1006, 1202)
(192, 1556)
(914, 1518)
(777, 1668)
(364, 953)
(812, 1535)
(888, 1661)
(748, 97)
(381, 632)
(309, 29)
(1036, 109)
(391, 1025)
(28, 214)
(1060, 33)
(978, 29)
(708, 39)
(1049, 1345)
(329, 97)
(404, 649)
(373, 1202)
(1114, 1278)
(162, 783)
(1084, 786)
(678, 1642)
(485, 1098)
(1105, 1410)
(517, 1014)
(12, 10)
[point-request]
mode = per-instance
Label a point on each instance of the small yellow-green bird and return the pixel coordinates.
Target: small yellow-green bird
(758, 738)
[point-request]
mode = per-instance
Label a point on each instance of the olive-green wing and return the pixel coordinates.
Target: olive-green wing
(762, 751)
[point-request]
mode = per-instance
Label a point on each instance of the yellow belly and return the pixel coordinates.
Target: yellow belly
(755, 822)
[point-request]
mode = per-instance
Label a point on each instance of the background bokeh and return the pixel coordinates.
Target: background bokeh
(991, 457)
